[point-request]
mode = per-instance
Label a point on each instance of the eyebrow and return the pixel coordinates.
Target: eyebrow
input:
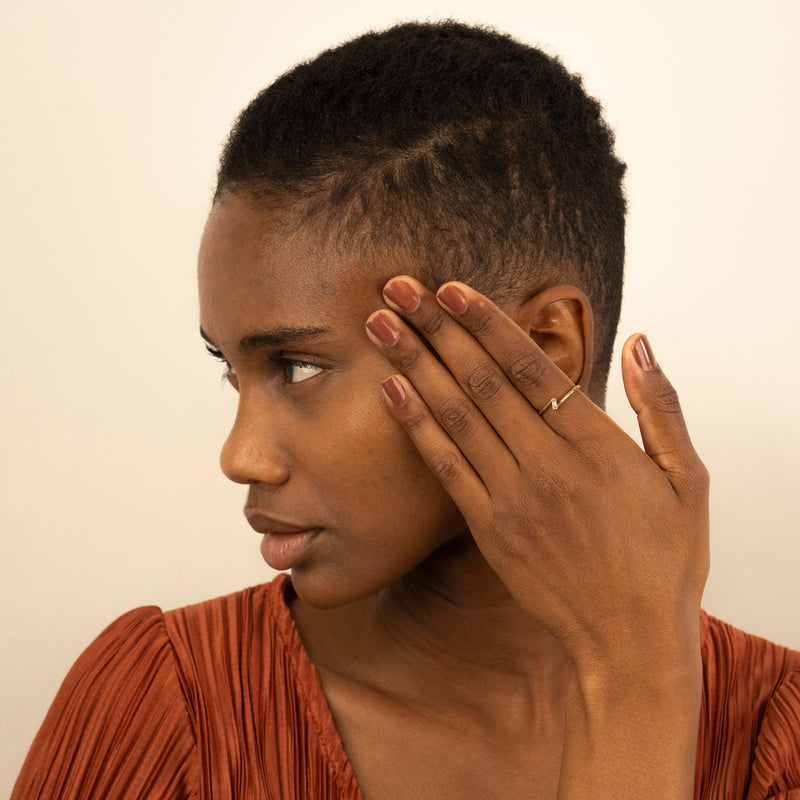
(278, 337)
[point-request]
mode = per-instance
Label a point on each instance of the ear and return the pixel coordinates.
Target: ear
(561, 322)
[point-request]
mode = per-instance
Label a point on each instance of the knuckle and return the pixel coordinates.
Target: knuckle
(556, 482)
(666, 400)
(597, 457)
(510, 543)
(456, 416)
(432, 323)
(446, 467)
(526, 370)
(482, 322)
(699, 477)
(504, 540)
(483, 382)
(415, 422)
(506, 545)
(408, 360)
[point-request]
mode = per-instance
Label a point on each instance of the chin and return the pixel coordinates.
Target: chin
(327, 584)
(328, 591)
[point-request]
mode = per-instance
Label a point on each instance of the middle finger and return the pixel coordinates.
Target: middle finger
(479, 376)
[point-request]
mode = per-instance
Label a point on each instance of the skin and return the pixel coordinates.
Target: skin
(501, 603)
(314, 453)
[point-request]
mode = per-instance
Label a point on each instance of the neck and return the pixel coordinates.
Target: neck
(448, 627)
(453, 606)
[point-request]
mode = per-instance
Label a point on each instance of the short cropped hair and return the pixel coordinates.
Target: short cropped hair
(472, 155)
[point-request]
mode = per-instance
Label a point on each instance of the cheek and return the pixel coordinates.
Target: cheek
(372, 454)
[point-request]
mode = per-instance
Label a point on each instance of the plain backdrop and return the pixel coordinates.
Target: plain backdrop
(112, 414)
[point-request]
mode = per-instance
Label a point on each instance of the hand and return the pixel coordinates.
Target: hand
(603, 543)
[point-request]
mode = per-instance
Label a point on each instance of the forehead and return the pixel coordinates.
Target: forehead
(243, 241)
(257, 265)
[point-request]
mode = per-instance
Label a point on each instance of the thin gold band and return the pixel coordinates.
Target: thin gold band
(554, 404)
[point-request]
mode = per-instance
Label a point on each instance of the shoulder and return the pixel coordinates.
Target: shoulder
(750, 721)
(216, 699)
(252, 608)
(742, 672)
(130, 658)
(255, 698)
(124, 683)
(252, 624)
(242, 650)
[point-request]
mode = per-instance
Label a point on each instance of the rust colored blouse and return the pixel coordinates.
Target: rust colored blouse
(220, 700)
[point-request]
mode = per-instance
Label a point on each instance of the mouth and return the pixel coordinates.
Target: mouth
(283, 544)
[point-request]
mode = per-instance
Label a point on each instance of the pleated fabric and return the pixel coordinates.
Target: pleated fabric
(221, 701)
(213, 701)
(749, 741)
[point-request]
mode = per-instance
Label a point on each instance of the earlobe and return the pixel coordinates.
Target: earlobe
(561, 322)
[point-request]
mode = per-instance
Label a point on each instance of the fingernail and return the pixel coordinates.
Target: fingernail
(402, 294)
(453, 298)
(382, 327)
(644, 354)
(394, 390)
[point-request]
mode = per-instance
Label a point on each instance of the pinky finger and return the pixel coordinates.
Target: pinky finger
(443, 458)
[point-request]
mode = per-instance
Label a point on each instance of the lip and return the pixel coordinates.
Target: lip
(284, 544)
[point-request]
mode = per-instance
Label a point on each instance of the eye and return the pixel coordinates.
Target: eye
(299, 371)
(230, 372)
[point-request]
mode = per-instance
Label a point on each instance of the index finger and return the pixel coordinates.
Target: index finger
(525, 364)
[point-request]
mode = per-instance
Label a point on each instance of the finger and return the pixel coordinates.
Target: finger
(527, 366)
(454, 412)
(478, 374)
(665, 436)
(442, 456)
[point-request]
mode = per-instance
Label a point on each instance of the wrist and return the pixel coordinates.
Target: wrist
(645, 699)
(660, 657)
(632, 728)
(644, 695)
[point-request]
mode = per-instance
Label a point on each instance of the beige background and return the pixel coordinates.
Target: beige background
(113, 115)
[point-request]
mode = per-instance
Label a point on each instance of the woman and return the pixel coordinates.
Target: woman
(494, 591)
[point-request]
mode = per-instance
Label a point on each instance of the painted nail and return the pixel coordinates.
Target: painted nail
(394, 390)
(453, 298)
(402, 294)
(644, 354)
(382, 327)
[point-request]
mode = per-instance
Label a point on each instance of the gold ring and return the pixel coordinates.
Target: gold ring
(554, 404)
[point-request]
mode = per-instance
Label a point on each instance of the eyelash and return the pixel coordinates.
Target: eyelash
(214, 353)
(285, 363)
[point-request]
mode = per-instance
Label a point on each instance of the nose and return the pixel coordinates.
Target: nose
(252, 453)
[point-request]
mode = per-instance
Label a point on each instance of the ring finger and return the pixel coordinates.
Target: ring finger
(454, 412)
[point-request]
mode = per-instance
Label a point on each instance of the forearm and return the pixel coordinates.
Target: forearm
(632, 735)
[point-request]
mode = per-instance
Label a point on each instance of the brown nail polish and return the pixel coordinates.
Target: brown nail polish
(453, 298)
(383, 329)
(644, 354)
(402, 294)
(394, 390)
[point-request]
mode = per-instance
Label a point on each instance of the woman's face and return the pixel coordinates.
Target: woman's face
(342, 495)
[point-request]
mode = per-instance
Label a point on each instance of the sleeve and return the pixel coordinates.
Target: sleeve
(775, 773)
(118, 727)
